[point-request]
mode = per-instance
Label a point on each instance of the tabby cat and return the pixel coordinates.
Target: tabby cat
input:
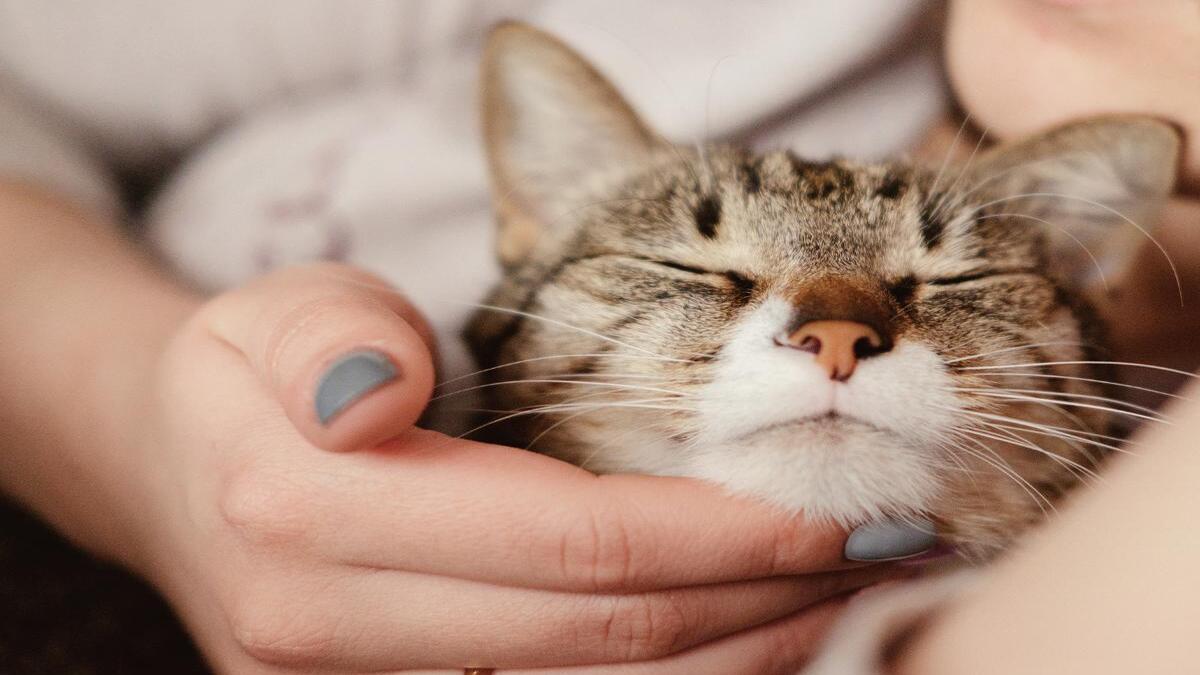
(855, 340)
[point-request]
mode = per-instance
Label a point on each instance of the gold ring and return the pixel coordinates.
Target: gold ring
(478, 671)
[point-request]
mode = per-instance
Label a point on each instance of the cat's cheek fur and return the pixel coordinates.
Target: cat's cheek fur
(878, 457)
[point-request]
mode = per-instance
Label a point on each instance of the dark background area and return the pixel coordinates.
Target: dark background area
(64, 613)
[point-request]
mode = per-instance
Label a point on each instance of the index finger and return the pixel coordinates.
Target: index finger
(428, 503)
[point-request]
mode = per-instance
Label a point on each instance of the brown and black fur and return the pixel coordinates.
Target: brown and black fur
(651, 248)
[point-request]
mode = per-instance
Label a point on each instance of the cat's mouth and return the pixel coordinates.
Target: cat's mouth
(830, 421)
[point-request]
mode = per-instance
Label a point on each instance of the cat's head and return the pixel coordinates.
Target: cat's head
(853, 340)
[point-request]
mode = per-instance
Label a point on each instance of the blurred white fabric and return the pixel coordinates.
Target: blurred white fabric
(280, 131)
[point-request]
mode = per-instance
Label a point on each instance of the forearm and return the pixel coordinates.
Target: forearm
(83, 315)
(1110, 587)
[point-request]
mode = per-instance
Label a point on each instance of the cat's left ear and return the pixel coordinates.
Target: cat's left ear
(551, 123)
(1096, 186)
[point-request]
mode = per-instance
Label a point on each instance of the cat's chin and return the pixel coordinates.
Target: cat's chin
(830, 467)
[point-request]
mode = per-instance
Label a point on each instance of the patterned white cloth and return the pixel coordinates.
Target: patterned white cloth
(307, 129)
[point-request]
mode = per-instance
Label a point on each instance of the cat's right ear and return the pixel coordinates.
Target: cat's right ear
(551, 124)
(1096, 185)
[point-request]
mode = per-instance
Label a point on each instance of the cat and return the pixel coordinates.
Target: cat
(857, 341)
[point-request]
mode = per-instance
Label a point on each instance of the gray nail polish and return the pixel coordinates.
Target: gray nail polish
(890, 540)
(349, 379)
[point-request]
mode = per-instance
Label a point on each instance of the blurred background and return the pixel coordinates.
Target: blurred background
(236, 137)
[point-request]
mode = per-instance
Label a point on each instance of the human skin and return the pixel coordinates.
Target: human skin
(1022, 65)
(1110, 586)
(177, 435)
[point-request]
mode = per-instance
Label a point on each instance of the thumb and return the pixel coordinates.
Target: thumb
(348, 358)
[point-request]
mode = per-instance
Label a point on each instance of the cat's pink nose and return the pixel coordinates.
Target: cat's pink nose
(838, 345)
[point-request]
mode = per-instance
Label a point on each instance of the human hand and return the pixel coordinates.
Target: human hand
(365, 544)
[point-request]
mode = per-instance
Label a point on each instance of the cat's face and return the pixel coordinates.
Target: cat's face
(852, 340)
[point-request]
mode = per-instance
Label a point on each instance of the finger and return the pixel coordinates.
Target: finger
(513, 517)
(779, 648)
(378, 620)
(347, 357)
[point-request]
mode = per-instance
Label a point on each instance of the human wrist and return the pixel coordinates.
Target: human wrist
(123, 395)
(83, 318)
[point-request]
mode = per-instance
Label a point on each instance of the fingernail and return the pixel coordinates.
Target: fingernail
(350, 378)
(890, 540)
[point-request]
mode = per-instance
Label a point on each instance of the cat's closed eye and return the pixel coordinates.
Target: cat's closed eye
(741, 283)
(681, 267)
(976, 276)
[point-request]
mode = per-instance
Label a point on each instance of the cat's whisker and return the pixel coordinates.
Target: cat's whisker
(1076, 423)
(960, 463)
(955, 465)
(643, 377)
(583, 464)
(1068, 415)
(536, 359)
(1004, 350)
(533, 441)
(609, 393)
(379, 288)
(998, 462)
(1047, 429)
(1012, 439)
(1110, 383)
(603, 394)
(563, 324)
(1021, 166)
(1002, 466)
(474, 430)
(1073, 395)
(600, 447)
(622, 402)
(644, 353)
(937, 179)
(988, 412)
(613, 385)
(646, 404)
(1093, 449)
(1076, 404)
(1004, 419)
(639, 404)
(948, 445)
(1041, 364)
(1093, 454)
(1064, 435)
(1104, 207)
(1006, 470)
(939, 208)
(1063, 230)
(700, 149)
(616, 378)
(1022, 394)
(568, 418)
(683, 160)
(543, 408)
